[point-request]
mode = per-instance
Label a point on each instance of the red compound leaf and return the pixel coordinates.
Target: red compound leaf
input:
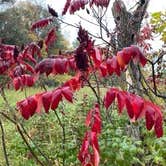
(136, 108)
(41, 23)
(67, 5)
(76, 5)
(50, 38)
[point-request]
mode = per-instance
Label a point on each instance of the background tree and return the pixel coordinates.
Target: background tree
(15, 25)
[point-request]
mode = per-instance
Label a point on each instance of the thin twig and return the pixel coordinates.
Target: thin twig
(29, 147)
(63, 136)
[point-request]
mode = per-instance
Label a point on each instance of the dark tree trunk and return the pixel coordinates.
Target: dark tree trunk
(128, 26)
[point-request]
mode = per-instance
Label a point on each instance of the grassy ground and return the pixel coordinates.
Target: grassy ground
(117, 148)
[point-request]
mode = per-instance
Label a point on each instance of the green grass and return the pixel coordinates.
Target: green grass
(117, 147)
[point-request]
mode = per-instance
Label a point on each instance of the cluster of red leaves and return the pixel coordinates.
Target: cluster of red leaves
(118, 63)
(136, 108)
(86, 54)
(23, 80)
(86, 156)
(6, 57)
(50, 99)
(58, 65)
(30, 51)
(16, 64)
(76, 5)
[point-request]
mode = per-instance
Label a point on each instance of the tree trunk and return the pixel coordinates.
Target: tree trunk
(128, 26)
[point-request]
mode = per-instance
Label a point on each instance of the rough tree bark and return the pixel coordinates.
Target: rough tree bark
(128, 26)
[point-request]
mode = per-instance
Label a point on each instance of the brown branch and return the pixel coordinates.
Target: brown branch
(4, 144)
(29, 147)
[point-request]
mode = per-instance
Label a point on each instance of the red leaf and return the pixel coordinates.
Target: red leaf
(74, 83)
(113, 66)
(137, 105)
(102, 3)
(29, 67)
(17, 83)
(124, 57)
(109, 98)
(143, 60)
(32, 103)
(56, 98)
(41, 23)
(138, 55)
(24, 109)
(60, 65)
(93, 119)
(149, 115)
(129, 107)
(121, 100)
(96, 125)
(67, 93)
(38, 98)
(50, 38)
(46, 100)
(158, 127)
(83, 153)
(97, 56)
(103, 69)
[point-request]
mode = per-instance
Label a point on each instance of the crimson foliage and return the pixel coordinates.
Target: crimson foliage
(24, 67)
